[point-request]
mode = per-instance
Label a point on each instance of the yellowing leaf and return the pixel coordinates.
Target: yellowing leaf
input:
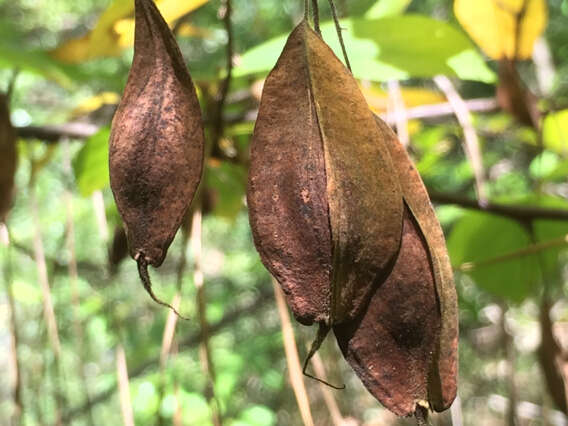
(378, 99)
(115, 30)
(493, 25)
(95, 102)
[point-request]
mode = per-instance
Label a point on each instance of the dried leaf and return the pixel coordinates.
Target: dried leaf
(324, 202)
(8, 158)
(157, 140)
(443, 377)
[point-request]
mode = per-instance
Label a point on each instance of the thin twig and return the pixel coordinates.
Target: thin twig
(100, 215)
(15, 364)
(316, 15)
(525, 251)
(339, 33)
(205, 348)
(334, 412)
(292, 359)
(399, 111)
(306, 11)
(521, 213)
(471, 145)
(124, 387)
(74, 276)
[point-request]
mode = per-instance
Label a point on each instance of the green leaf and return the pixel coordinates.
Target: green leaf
(384, 8)
(393, 48)
(91, 163)
(481, 236)
(555, 132)
(37, 62)
(228, 181)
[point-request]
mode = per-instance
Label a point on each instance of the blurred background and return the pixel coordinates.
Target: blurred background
(476, 90)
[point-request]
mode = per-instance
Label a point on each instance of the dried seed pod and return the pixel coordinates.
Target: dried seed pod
(156, 143)
(324, 202)
(118, 249)
(390, 346)
(8, 158)
(443, 375)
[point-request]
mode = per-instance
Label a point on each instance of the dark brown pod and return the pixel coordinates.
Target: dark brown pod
(325, 206)
(391, 345)
(156, 142)
(444, 371)
(8, 158)
(118, 249)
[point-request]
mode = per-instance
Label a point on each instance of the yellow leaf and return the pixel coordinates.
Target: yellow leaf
(95, 102)
(378, 99)
(503, 28)
(115, 30)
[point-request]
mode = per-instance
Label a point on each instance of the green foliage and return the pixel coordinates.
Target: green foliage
(393, 48)
(91, 163)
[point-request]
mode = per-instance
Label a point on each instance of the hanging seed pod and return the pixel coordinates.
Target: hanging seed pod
(404, 346)
(324, 203)
(443, 375)
(118, 250)
(8, 158)
(156, 143)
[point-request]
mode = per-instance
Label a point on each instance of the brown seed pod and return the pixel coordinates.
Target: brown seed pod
(8, 158)
(325, 206)
(443, 375)
(118, 249)
(390, 346)
(156, 142)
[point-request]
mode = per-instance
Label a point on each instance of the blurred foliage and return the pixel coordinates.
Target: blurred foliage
(404, 40)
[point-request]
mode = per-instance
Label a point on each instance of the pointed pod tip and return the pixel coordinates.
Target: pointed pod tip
(142, 263)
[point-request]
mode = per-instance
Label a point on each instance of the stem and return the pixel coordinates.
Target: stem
(323, 330)
(205, 348)
(339, 35)
(145, 277)
(315, 14)
(306, 11)
(124, 387)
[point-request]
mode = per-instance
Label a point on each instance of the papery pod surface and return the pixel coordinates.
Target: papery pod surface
(391, 345)
(157, 140)
(8, 158)
(444, 371)
(324, 202)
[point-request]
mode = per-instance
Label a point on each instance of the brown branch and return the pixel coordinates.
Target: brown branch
(339, 33)
(471, 141)
(520, 213)
(249, 308)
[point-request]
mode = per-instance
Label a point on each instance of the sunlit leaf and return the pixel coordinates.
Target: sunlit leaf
(493, 24)
(115, 30)
(392, 48)
(384, 8)
(91, 163)
(95, 102)
(378, 99)
(555, 131)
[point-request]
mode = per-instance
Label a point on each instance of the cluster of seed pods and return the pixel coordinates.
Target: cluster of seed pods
(338, 212)
(341, 218)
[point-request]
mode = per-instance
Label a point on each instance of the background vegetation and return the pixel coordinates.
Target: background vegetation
(85, 344)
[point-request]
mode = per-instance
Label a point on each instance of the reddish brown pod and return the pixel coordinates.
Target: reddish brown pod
(8, 158)
(325, 206)
(156, 142)
(404, 345)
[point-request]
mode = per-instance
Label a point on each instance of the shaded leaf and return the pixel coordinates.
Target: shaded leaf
(493, 25)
